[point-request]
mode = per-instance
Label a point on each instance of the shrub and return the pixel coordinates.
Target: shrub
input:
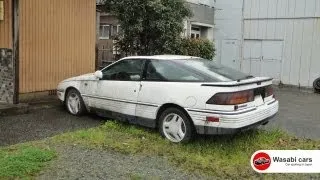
(197, 47)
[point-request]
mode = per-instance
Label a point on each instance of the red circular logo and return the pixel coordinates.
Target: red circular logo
(261, 161)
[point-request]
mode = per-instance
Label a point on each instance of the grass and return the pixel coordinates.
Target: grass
(23, 161)
(218, 156)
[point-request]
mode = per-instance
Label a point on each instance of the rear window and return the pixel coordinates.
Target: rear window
(214, 71)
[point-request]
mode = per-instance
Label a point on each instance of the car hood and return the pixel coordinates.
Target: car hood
(84, 77)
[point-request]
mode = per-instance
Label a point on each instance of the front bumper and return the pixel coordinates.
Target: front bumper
(236, 122)
(61, 94)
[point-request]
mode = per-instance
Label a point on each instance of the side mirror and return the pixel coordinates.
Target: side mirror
(98, 74)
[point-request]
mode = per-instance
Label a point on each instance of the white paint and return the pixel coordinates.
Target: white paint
(294, 22)
(228, 26)
(144, 98)
(230, 53)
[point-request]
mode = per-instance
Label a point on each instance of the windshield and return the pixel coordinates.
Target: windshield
(214, 70)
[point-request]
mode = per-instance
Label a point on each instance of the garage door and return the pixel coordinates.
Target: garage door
(262, 58)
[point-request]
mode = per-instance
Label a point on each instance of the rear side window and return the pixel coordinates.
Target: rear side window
(162, 70)
(214, 70)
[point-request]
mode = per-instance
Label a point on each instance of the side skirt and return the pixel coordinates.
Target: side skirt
(151, 123)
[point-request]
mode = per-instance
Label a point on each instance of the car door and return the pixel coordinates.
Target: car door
(117, 91)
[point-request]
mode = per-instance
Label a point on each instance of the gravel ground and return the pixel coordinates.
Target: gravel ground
(78, 163)
(43, 121)
(299, 113)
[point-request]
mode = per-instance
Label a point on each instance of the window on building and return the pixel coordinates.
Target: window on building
(195, 32)
(115, 30)
(104, 31)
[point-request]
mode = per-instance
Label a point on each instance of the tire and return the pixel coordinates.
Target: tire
(176, 126)
(74, 103)
(316, 85)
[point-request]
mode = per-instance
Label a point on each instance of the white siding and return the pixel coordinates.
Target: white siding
(294, 22)
(254, 9)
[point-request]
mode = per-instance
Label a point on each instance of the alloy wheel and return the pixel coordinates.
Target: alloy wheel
(174, 127)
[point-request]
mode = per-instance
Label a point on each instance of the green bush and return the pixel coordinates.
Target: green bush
(197, 47)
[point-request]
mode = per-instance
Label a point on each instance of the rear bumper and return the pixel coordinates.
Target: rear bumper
(236, 122)
(220, 131)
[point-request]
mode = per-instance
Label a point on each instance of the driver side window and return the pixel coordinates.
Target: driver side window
(125, 70)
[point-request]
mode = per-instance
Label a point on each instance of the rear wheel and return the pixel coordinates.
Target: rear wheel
(74, 103)
(176, 126)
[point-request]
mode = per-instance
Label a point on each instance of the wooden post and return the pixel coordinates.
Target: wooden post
(15, 48)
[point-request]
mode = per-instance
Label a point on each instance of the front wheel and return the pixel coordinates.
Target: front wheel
(74, 103)
(176, 126)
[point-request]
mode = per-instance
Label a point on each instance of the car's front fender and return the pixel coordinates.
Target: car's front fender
(64, 86)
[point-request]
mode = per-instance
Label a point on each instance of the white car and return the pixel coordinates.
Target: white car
(180, 95)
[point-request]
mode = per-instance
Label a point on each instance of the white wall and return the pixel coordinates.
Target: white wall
(297, 24)
(293, 25)
(228, 26)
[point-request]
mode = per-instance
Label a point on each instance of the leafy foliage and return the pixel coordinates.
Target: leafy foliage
(23, 161)
(197, 47)
(149, 26)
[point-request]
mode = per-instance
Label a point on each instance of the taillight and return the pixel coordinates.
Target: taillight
(269, 91)
(233, 98)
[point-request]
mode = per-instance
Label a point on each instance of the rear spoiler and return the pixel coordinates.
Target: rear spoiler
(258, 82)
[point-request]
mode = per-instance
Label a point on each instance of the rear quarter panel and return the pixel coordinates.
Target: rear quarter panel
(186, 95)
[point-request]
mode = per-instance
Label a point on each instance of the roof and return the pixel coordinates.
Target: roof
(161, 57)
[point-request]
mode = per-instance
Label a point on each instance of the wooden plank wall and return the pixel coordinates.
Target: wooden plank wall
(57, 41)
(6, 26)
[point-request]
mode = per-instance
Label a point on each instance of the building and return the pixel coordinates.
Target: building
(201, 25)
(43, 42)
(108, 27)
(277, 38)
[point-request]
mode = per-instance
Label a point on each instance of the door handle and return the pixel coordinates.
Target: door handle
(140, 87)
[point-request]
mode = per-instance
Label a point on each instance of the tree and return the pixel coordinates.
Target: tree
(149, 26)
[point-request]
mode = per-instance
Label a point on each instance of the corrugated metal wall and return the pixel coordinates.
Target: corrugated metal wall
(6, 26)
(297, 24)
(57, 41)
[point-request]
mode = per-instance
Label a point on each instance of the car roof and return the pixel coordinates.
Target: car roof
(162, 57)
